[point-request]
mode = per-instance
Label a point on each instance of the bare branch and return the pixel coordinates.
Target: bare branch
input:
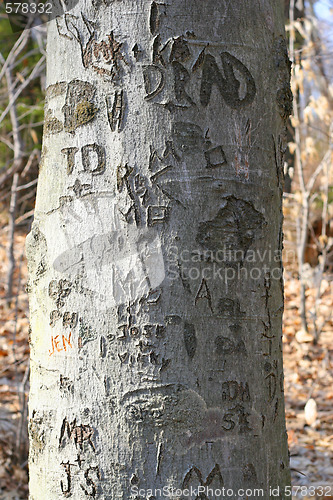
(7, 142)
(34, 154)
(26, 186)
(35, 72)
(17, 49)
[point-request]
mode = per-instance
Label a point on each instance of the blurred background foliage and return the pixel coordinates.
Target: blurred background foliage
(308, 242)
(26, 97)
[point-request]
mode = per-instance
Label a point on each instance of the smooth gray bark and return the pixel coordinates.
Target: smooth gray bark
(151, 364)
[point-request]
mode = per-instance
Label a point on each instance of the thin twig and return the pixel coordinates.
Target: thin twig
(26, 186)
(17, 362)
(26, 216)
(33, 154)
(17, 48)
(11, 233)
(35, 72)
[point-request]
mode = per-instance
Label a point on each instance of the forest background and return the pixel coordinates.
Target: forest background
(308, 243)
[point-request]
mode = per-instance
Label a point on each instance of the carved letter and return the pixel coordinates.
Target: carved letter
(204, 293)
(90, 482)
(86, 160)
(188, 137)
(157, 51)
(157, 214)
(154, 80)
(68, 491)
(215, 157)
(181, 79)
(116, 112)
(70, 153)
(228, 85)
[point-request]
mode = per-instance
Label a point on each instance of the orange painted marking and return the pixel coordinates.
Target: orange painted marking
(59, 344)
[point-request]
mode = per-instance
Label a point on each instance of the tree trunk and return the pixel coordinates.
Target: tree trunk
(156, 292)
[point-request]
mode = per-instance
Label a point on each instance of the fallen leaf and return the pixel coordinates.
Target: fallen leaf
(310, 412)
(303, 336)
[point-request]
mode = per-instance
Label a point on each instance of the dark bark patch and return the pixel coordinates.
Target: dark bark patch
(55, 90)
(249, 472)
(180, 51)
(154, 18)
(226, 346)
(66, 385)
(51, 124)
(188, 137)
(284, 95)
(190, 339)
(173, 319)
(86, 333)
(282, 61)
(79, 108)
(59, 290)
(234, 228)
(85, 111)
(41, 268)
(284, 99)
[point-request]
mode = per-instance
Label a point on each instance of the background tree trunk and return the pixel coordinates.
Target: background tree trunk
(155, 270)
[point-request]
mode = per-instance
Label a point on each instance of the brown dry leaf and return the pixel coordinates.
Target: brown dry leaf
(310, 412)
(34, 136)
(20, 474)
(292, 147)
(292, 437)
(289, 330)
(20, 77)
(303, 336)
